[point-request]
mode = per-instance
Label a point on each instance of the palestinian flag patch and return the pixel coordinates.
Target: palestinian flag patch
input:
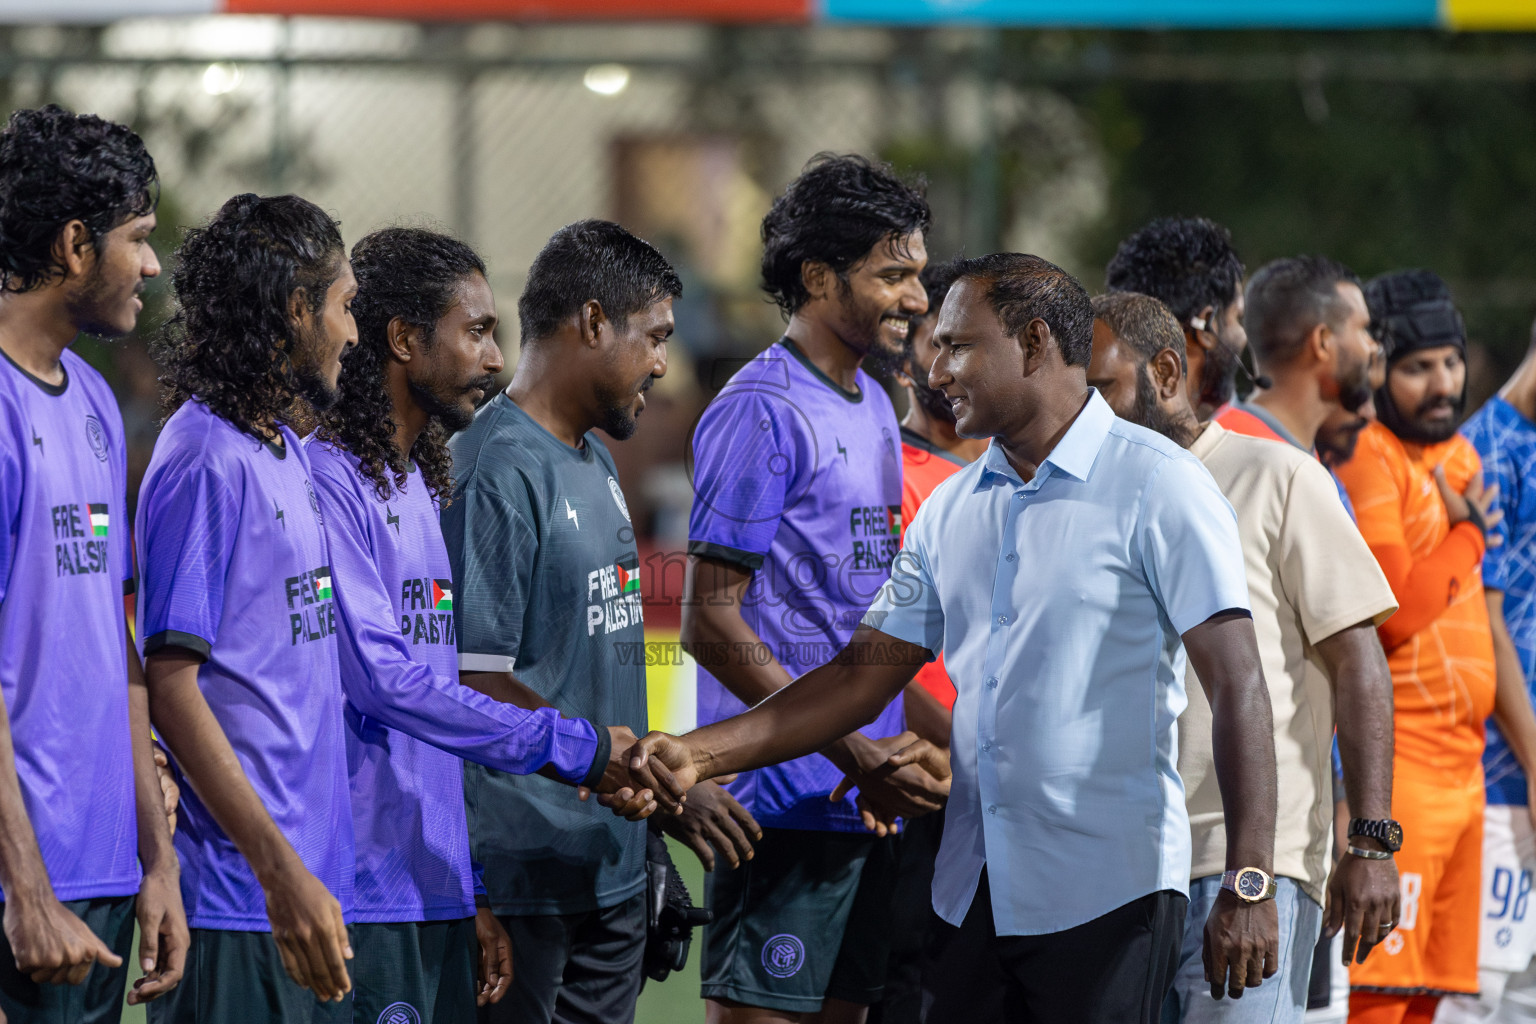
(893, 520)
(629, 576)
(322, 577)
(442, 595)
(100, 520)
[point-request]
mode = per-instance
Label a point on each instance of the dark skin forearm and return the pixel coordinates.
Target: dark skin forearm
(1362, 699)
(203, 753)
(1225, 656)
(21, 863)
(156, 852)
(926, 716)
(719, 639)
(811, 713)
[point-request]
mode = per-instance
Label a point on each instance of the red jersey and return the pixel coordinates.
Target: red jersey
(924, 466)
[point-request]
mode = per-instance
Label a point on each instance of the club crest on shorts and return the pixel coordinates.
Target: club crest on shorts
(96, 436)
(399, 1013)
(618, 497)
(783, 956)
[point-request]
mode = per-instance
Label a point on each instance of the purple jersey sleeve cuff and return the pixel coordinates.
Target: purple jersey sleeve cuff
(599, 758)
(749, 560)
(176, 638)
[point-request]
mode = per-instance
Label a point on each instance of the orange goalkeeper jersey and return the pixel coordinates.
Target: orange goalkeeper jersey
(1438, 643)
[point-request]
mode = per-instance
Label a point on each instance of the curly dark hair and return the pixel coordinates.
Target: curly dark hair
(229, 341)
(1186, 263)
(410, 274)
(839, 209)
(592, 259)
(1021, 288)
(55, 167)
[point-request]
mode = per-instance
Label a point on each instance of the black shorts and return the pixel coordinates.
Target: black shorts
(806, 919)
(97, 1000)
(414, 972)
(239, 976)
(574, 968)
(1115, 969)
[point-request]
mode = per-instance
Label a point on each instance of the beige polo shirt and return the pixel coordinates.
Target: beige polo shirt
(1310, 575)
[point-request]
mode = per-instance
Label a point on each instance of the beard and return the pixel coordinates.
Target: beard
(1336, 447)
(445, 404)
(1415, 428)
(1149, 413)
(864, 335)
(619, 419)
(310, 384)
(1355, 387)
(931, 401)
(1218, 377)
(91, 307)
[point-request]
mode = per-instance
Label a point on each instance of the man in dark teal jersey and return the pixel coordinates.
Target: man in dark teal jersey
(547, 581)
(79, 804)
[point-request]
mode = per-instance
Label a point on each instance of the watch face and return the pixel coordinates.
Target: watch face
(1250, 884)
(1394, 837)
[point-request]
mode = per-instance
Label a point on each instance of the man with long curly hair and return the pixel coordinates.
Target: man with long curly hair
(79, 807)
(237, 620)
(426, 354)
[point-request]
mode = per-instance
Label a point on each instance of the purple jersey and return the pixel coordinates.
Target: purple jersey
(229, 522)
(405, 707)
(64, 564)
(799, 481)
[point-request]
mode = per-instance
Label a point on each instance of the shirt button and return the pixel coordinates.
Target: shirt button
(1011, 557)
(992, 808)
(1019, 495)
(987, 745)
(1002, 620)
(992, 682)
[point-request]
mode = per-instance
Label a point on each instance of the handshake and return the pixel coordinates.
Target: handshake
(896, 777)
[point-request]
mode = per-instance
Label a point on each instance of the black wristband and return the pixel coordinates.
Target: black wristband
(600, 759)
(482, 901)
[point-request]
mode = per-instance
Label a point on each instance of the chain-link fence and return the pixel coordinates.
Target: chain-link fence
(1049, 142)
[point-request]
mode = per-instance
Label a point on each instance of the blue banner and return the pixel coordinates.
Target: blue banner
(1141, 13)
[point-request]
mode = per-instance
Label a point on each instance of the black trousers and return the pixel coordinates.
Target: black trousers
(1115, 969)
(574, 968)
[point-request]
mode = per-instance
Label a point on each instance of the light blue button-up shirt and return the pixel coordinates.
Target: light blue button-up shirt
(1059, 606)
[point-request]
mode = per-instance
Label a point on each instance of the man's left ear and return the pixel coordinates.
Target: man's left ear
(1167, 373)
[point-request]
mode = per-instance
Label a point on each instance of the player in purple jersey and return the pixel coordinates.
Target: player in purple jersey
(796, 518)
(426, 354)
(237, 620)
(80, 808)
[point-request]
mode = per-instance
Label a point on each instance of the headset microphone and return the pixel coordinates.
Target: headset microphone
(1258, 380)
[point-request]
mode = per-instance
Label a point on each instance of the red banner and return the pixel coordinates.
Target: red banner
(538, 10)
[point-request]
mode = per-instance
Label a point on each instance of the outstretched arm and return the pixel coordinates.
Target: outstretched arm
(802, 718)
(717, 636)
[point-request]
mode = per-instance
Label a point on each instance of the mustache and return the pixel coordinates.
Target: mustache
(486, 384)
(648, 383)
(1430, 405)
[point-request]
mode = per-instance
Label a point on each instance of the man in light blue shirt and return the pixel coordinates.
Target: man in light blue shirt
(1063, 575)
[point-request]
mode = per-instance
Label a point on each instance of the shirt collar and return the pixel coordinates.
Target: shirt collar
(1073, 455)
